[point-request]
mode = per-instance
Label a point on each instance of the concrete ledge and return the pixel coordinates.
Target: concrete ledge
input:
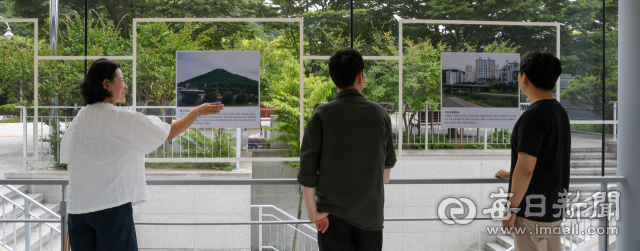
(150, 174)
(456, 152)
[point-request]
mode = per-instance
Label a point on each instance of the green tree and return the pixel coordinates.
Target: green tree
(241, 98)
(253, 99)
(190, 98)
(210, 96)
(227, 98)
(280, 80)
(586, 89)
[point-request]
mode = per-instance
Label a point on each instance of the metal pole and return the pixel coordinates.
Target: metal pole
(27, 226)
(260, 229)
(6, 23)
(54, 132)
(63, 218)
(86, 41)
(628, 157)
(615, 118)
(351, 24)
(238, 147)
(53, 26)
(24, 137)
(603, 222)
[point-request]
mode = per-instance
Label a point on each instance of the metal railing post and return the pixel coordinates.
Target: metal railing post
(426, 126)
(27, 226)
(615, 118)
(24, 137)
(63, 218)
(260, 229)
(603, 222)
(485, 139)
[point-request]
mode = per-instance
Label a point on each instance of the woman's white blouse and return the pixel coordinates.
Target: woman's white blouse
(104, 148)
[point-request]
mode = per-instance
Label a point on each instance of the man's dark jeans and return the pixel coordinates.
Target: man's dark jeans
(342, 236)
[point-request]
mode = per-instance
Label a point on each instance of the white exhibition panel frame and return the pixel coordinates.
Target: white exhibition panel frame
(35, 90)
(222, 20)
(302, 58)
(425, 21)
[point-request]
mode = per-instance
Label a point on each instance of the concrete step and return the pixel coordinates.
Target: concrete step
(588, 149)
(592, 163)
(590, 187)
(494, 247)
(586, 190)
(569, 245)
(592, 156)
(19, 201)
(46, 238)
(593, 171)
(8, 235)
(505, 241)
(10, 194)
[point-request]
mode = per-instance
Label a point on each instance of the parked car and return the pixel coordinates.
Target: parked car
(257, 142)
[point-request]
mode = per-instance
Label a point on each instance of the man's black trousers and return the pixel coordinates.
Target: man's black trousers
(342, 236)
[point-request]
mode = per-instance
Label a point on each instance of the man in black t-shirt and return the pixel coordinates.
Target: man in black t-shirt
(540, 155)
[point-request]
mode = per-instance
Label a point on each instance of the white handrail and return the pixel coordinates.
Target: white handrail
(24, 196)
(31, 214)
(286, 214)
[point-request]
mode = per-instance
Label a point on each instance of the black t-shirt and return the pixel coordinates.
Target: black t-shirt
(543, 131)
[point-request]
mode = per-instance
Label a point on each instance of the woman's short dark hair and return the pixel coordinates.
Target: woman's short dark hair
(542, 69)
(344, 67)
(91, 88)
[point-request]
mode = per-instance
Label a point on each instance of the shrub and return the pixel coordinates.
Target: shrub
(10, 120)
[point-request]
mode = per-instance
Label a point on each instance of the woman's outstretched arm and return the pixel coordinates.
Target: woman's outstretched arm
(182, 124)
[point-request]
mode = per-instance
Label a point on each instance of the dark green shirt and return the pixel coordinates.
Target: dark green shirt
(346, 146)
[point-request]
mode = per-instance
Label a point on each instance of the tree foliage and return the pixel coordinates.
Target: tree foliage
(326, 29)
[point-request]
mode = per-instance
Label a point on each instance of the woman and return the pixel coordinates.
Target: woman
(104, 148)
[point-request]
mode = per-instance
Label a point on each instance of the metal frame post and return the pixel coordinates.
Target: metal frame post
(27, 226)
(24, 137)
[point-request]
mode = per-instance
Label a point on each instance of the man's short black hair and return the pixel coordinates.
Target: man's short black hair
(91, 88)
(344, 67)
(542, 69)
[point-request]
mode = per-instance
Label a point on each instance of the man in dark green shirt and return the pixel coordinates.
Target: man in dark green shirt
(346, 155)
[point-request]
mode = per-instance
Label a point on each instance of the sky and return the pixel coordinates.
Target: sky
(191, 64)
(459, 60)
